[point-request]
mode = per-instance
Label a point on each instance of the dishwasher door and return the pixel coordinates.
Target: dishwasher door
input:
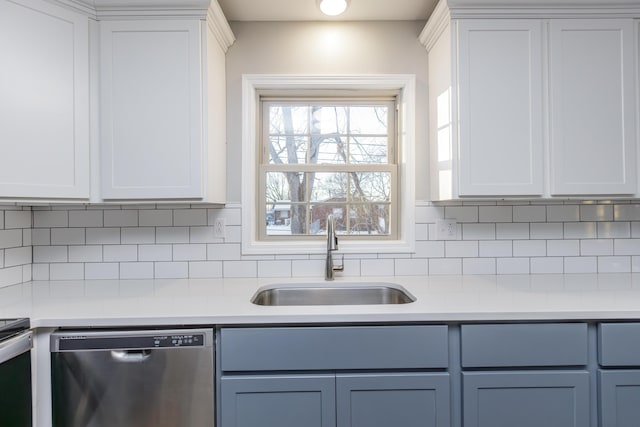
(151, 378)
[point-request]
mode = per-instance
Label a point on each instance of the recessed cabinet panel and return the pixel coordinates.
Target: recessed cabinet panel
(619, 398)
(500, 107)
(592, 117)
(151, 103)
(44, 101)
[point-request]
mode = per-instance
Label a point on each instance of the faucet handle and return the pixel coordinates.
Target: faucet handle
(341, 266)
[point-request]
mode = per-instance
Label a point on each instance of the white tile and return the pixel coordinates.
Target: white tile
(462, 213)
(120, 218)
(546, 231)
(459, 249)
(421, 232)
(512, 265)
(495, 214)
(429, 214)
(155, 253)
(307, 268)
(17, 219)
(376, 267)
(444, 266)
(613, 230)
(596, 213)
(17, 256)
(1, 258)
(172, 235)
(171, 270)
(86, 218)
(11, 276)
(580, 265)
(189, 217)
(614, 264)
(40, 271)
(563, 248)
(580, 230)
(26, 273)
(495, 248)
(138, 235)
(68, 271)
(119, 253)
(529, 248)
(85, 253)
(233, 234)
(547, 265)
(67, 236)
(593, 247)
(50, 219)
(625, 247)
(478, 231)
(635, 264)
(187, 252)
(563, 213)
(529, 213)
(26, 236)
(49, 254)
(231, 216)
(10, 238)
(429, 249)
(635, 230)
(507, 231)
(479, 266)
(223, 252)
(205, 269)
(136, 270)
(101, 271)
(2, 219)
(203, 235)
(103, 236)
(274, 268)
(155, 218)
(627, 212)
(411, 267)
(240, 269)
(41, 236)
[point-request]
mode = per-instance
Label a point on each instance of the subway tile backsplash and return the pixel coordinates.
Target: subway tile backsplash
(175, 241)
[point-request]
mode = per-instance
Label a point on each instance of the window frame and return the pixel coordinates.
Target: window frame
(256, 85)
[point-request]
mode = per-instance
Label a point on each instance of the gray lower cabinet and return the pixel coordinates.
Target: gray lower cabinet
(526, 399)
(619, 398)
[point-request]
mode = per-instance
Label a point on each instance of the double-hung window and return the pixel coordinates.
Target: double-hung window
(328, 155)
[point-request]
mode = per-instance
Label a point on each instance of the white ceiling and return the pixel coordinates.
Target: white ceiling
(307, 10)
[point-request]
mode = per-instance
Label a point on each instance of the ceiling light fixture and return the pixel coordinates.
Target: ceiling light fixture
(333, 7)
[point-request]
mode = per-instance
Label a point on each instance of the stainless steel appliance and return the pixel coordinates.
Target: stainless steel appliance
(15, 373)
(150, 378)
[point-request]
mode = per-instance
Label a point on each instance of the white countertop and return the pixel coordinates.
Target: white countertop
(227, 301)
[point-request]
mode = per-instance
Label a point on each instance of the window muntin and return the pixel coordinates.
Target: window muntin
(322, 156)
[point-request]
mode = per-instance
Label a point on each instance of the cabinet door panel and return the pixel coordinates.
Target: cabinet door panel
(278, 401)
(500, 107)
(398, 400)
(619, 398)
(44, 101)
(592, 103)
(151, 109)
(526, 399)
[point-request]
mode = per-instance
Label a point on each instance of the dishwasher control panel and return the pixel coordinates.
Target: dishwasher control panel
(154, 339)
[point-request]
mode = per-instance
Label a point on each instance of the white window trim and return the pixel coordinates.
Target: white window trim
(252, 84)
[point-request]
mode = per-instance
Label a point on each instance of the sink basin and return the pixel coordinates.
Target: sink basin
(334, 294)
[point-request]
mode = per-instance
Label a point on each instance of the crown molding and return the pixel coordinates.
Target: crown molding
(437, 23)
(219, 26)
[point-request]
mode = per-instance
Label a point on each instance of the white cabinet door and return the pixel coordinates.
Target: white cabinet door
(500, 107)
(592, 117)
(151, 109)
(44, 101)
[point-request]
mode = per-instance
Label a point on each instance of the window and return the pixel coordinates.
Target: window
(328, 156)
(314, 145)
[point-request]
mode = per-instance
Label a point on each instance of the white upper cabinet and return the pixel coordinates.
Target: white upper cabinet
(162, 105)
(592, 92)
(500, 107)
(44, 101)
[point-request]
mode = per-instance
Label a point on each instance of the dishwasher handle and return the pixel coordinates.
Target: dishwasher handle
(16, 346)
(130, 356)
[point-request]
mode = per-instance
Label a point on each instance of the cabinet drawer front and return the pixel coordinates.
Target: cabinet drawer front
(553, 344)
(308, 348)
(619, 344)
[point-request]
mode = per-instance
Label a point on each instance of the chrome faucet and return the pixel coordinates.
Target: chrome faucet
(332, 245)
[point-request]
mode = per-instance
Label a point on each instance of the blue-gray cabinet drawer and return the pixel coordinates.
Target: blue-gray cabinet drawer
(330, 348)
(619, 344)
(515, 345)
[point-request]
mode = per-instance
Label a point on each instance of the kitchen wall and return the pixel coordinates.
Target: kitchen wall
(15, 245)
(175, 241)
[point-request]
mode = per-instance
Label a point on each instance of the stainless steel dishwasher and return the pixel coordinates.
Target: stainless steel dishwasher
(159, 378)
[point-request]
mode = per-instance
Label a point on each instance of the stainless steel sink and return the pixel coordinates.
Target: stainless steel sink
(334, 294)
